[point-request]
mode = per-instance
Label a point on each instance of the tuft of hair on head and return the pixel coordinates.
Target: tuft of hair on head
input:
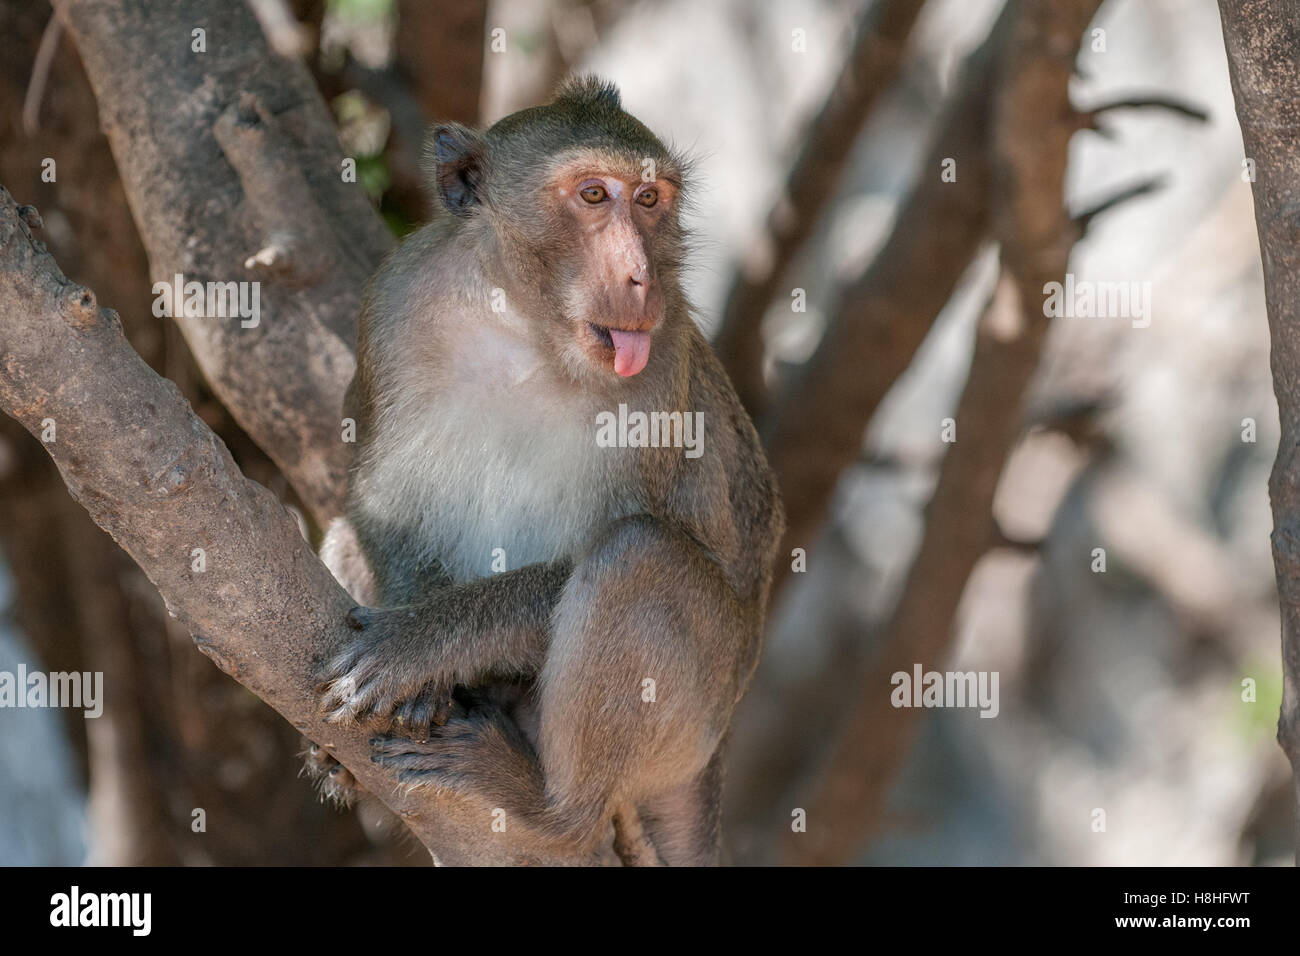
(588, 90)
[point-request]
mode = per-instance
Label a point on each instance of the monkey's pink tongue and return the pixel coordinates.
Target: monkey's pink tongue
(631, 351)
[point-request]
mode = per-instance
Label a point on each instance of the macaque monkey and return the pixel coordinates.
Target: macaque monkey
(555, 629)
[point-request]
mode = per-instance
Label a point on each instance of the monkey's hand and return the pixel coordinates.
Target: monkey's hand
(378, 680)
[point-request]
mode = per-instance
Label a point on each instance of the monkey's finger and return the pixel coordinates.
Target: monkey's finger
(412, 719)
(416, 770)
(325, 678)
(359, 694)
(432, 714)
(436, 751)
(325, 683)
(456, 735)
(337, 668)
(343, 709)
(340, 715)
(337, 692)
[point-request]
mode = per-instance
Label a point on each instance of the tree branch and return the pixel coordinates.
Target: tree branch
(874, 330)
(1263, 43)
(883, 316)
(233, 169)
(1031, 135)
(154, 476)
(872, 64)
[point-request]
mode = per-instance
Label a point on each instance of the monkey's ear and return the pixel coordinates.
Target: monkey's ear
(455, 157)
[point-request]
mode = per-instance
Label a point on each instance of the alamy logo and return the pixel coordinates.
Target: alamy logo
(1098, 300)
(59, 689)
(946, 689)
(213, 300)
(103, 909)
(651, 430)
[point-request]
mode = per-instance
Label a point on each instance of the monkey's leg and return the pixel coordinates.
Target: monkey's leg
(341, 553)
(684, 823)
(497, 626)
(644, 669)
(650, 650)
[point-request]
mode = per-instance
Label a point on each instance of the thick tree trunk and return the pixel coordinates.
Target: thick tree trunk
(1263, 43)
(234, 172)
(175, 733)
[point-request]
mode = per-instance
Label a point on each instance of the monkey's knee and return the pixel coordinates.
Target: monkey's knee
(611, 734)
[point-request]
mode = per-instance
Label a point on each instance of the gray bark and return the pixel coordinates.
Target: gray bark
(225, 154)
(1263, 43)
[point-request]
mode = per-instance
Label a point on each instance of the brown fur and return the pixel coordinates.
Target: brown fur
(522, 690)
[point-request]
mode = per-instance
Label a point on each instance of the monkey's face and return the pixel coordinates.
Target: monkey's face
(577, 202)
(614, 225)
(589, 250)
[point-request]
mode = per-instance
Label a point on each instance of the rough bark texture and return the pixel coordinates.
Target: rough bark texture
(847, 798)
(869, 68)
(155, 477)
(251, 128)
(1263, 43)
(176, 733)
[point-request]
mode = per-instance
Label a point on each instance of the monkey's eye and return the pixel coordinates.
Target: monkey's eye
(647, 197)
(593, 193)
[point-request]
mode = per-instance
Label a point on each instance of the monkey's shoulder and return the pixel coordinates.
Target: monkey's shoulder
(741, 450)
(433, 273)
(729, 494)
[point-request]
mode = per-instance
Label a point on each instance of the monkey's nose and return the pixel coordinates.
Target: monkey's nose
(639, 280)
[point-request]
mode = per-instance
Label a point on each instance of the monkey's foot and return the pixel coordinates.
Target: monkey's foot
(333, 781)
(483, 754)
(366, 683)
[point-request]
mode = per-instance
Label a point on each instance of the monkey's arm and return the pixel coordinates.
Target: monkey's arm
(460, 635)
